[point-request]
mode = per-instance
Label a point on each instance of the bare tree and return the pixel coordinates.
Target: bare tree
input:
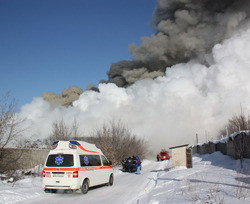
(9, 133)
(75, 132)
(241, 147)
(62, 131)
(118, 143)
(241, 142)
(236, 123)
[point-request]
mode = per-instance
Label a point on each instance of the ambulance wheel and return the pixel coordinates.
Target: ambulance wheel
(111, 180)
(85, 186)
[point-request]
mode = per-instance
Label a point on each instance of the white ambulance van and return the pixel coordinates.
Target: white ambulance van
(73, 165)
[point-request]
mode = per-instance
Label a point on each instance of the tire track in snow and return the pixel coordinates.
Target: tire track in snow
(153, 173)
(161, 175)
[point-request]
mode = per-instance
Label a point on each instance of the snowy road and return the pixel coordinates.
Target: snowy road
(213, 179)
(127, 188)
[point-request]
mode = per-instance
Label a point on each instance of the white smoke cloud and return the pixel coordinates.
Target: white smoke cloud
(168, 110)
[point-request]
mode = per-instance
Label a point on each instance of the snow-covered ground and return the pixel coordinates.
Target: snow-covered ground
(213, 179)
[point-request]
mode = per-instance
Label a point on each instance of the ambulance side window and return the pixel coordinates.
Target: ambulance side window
(90, 160)
(105, 161)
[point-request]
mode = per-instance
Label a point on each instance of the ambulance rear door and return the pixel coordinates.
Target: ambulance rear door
(59, 170)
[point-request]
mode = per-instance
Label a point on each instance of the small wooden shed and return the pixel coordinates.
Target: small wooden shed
(182, 156)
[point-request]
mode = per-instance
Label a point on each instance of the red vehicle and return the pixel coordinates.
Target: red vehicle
(163, 155)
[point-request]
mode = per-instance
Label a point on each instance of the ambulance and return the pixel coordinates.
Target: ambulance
(76, 165)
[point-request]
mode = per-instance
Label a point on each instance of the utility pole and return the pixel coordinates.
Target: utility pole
(197, 139)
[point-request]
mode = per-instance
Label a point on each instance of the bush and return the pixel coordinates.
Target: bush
(240, 142)
(62, 131)
(118, 143)
(235, 124)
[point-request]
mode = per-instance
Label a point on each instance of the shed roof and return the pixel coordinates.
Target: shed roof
(185, 145)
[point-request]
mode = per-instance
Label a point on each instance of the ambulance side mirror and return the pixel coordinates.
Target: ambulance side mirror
(110, 163)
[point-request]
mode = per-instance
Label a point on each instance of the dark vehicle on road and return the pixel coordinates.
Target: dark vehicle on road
(129, 164)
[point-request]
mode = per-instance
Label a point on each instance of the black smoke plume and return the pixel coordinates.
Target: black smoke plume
(184, 30)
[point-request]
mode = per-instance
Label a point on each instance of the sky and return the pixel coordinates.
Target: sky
(49, 45)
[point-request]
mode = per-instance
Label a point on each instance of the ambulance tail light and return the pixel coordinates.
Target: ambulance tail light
(75, 174)
(46, 174)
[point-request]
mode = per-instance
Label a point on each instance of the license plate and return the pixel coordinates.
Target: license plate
(58, 175)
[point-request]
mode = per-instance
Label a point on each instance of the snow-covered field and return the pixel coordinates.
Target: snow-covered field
(213, 179)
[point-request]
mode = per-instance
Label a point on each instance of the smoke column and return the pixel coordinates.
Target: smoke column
(185, 30)
(205, 80)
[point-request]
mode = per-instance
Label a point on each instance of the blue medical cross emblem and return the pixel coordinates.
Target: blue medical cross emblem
(86, 160)
(59, 160)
